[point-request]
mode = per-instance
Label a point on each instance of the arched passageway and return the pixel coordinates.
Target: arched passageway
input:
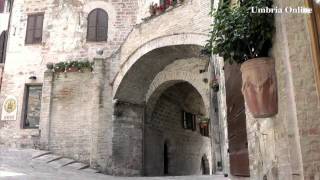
(175, 117)
(163, 87)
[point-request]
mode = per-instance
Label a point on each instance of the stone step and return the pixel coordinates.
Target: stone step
(77, 165)
(61, 162)
(39, 153)
(90, 170)
(48, 158)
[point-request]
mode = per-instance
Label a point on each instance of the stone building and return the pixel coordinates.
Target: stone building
(140, 111)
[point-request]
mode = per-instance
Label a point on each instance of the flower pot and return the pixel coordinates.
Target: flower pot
(259, 87)
(158, 11)
(203, 124)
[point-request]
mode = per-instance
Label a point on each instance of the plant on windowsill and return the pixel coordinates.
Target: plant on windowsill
(241, 36)
(204, 122)
(155, 9)
(59, 67)
(73, 66)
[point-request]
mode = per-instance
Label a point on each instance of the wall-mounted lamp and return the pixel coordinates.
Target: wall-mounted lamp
(33, 77)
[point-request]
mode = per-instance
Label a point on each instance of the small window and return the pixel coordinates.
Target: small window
(34, 29)
(32, 106)
(204, 130)
(97, 25)
(189, 120)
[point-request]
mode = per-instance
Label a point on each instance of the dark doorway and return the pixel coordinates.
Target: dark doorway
(205, 165)
(165, 160)
(237, 133)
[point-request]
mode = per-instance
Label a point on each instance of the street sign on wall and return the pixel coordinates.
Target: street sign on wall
(9, 109)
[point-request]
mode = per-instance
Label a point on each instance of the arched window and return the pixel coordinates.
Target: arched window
(97, 25)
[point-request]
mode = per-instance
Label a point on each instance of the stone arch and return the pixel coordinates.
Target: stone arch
(171, 75)
(130, 56)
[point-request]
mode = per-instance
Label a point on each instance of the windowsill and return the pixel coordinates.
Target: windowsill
(37, 127)
(97, 42)
(33, 45)
(163, 12)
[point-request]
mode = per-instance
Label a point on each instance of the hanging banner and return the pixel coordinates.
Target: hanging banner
(9, 109)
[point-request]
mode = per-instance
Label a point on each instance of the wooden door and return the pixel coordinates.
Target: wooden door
(237, 133)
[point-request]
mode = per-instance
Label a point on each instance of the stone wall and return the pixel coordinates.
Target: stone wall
(185, 147)
(64, 38)
(72, 106)
(284, 146)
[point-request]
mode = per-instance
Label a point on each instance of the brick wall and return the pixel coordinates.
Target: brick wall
(71, 115)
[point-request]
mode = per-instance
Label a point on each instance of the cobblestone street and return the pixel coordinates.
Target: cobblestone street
(18, 164)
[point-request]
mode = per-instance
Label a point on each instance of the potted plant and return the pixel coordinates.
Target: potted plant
(159, 9)
(169, 4)
(152, 9)
(72, 66)
(204, 122)
(241, 36)
(59, 67)
(86, 66)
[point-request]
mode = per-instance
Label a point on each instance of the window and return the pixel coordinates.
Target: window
(97, 25)
(2, 46)
(34, 29)
(189, 121)
(1, 6)
(204, 130)
(32, 106)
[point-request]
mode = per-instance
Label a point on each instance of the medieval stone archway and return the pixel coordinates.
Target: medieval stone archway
(131, 86)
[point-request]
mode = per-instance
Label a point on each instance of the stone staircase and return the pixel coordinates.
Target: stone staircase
(56, 161)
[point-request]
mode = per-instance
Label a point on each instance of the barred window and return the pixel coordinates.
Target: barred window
(97, 25)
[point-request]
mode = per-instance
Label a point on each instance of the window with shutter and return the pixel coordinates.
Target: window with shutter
(97, 25)
(2, 46)
(1, 6)
(34, 29)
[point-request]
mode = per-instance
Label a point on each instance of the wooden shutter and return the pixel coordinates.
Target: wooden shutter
(37, 37)
(92, 20)
(34, 29)
(97, 25)
(1, 6)
(102, 25)
(2, 46)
